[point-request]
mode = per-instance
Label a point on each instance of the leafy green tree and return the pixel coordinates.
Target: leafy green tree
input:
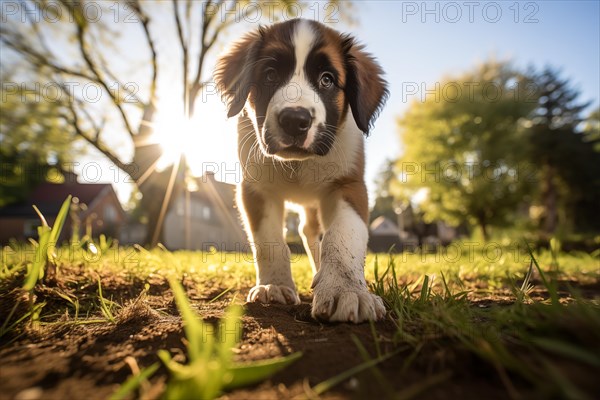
(37, 145)
(464, 143)
(591, 129)
(567, 165)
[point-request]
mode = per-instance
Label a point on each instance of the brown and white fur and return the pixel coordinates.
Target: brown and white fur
(306, 96)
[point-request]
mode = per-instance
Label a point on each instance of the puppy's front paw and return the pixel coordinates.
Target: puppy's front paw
(346, 305)
(273, 294)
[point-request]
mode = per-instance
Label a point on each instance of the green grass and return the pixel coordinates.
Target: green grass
(522, 313)
(525, 339)
(210, 369)
(45, 247)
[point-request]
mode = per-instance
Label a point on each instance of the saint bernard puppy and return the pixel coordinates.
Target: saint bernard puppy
(306, 95)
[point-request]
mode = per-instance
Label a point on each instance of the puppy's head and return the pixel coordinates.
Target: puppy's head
(297, 80)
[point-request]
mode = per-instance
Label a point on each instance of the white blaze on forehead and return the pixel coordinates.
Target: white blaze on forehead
(304, 37)
(298, 92)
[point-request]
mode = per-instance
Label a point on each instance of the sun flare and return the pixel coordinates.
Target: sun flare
(207, 140)
(177, 136)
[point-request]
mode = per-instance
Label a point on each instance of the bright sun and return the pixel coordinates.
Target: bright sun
(208, 140)
(176, 136)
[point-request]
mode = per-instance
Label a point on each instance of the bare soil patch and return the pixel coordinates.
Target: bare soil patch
(69, 360)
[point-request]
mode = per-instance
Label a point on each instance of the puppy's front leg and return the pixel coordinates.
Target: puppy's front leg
(340, 291)
(264, 216)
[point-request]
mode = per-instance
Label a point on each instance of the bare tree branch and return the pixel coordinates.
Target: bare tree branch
(184, 49)
(75, 121)
(76, 14)
(96, 128)
(145, 21)
(207, 19)
(117, 101)
(37, 59)
(207, 41)
(120, 87)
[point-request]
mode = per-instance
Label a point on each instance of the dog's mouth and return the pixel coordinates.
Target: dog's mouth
(288, 142)
(294, 152)
(281, 146)
(289, 152)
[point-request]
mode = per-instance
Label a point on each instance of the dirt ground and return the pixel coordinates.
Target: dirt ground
(88, 361)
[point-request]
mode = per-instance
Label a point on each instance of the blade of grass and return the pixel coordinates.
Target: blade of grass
(219, 295)
(419, 387)
(230, 333)
(47, 237)
(3, 328)
(447, 292)
(59, 222)
(425, 290)
(383, 383)
(567, 350)
(549, 285)
(72, 301)
(192, 325)
(555, 246)
(337, 379)
(375, 338)
(133, 382)
(32, 310)
(103, 304)
(411, 357)
(569, 390)
(525, 285)
(247, 374)
(36, 272)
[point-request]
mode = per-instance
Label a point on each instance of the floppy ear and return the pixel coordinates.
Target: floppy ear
(366, 90)
(234, 73)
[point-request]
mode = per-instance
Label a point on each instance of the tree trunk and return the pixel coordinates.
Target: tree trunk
(483, 227)
(550, 201)
(155, 198)
(152, 184)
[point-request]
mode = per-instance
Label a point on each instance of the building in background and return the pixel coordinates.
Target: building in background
(95, 210)
(214, 220)
(384, 235)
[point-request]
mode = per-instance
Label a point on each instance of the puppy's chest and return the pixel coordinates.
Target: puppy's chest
(299, 181)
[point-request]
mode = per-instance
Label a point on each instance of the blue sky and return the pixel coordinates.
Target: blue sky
(413, 47)
(416, 43)
(421, 50)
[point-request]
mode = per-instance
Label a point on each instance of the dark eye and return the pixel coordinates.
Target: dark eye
(326, 80)
(271, 75)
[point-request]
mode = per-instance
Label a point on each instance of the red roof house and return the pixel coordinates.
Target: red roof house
(95, 207)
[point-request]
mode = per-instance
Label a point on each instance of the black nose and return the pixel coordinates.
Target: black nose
(295, 121)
